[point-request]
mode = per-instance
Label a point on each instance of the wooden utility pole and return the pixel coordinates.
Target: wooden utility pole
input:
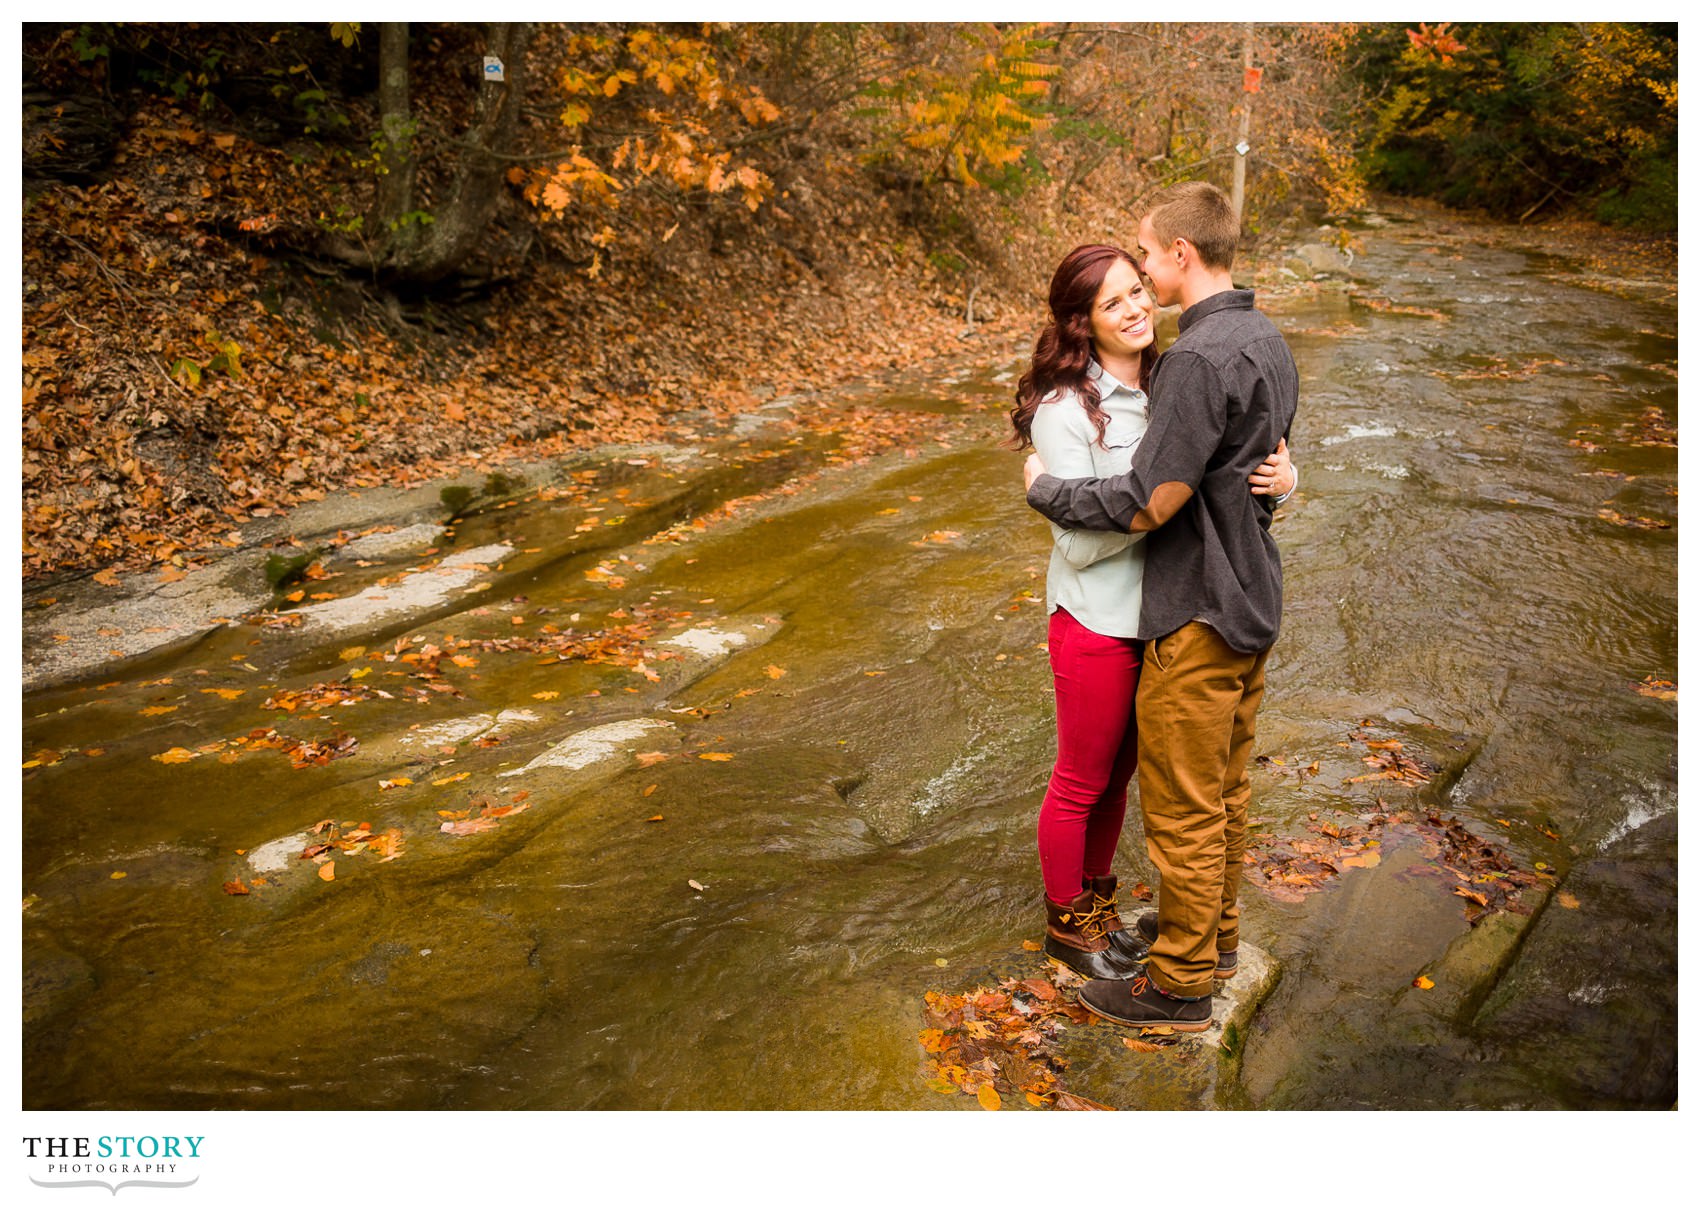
(1243, 147)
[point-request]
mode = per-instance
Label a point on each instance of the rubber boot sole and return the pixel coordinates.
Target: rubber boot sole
(1093, 965)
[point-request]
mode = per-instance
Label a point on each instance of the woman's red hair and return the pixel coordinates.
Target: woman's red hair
(1064, 349)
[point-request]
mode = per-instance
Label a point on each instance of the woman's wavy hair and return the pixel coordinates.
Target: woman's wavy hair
(1064, 349)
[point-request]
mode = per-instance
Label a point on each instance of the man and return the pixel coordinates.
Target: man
(1223, 395)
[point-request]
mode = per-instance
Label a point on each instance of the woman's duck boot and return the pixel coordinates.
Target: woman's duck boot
(1129, 944)
(1075, 937)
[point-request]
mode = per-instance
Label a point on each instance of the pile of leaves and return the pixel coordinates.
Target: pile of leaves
(348, 838)
(1482, 873)
(993, 1044)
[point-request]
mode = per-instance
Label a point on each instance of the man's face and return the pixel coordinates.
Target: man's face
(1159, 266)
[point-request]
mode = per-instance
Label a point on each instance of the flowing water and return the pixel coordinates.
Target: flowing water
(1482, 561)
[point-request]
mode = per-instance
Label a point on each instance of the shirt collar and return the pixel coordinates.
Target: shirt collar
(1226, 300)
(1107, 383)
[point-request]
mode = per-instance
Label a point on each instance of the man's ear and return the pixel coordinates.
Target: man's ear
(1183, 251)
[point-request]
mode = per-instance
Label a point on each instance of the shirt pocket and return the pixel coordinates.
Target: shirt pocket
(1121, 438)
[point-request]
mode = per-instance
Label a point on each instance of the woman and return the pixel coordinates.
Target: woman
(1082, 405)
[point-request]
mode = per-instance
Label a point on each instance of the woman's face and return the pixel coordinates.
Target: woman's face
(1123, 314)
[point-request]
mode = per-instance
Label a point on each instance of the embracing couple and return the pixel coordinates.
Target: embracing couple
(1159, 476)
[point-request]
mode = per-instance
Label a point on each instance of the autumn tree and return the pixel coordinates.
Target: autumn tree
(1516, 117)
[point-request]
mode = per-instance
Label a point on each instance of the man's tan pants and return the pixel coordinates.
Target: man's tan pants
(1197, 708)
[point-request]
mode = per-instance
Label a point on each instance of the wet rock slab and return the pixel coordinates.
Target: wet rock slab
(415, 593)
(1197, 1070)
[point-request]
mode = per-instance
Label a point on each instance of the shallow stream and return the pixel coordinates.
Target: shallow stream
(845, 729)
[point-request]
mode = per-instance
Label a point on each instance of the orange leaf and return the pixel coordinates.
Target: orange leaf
(226, 694)
(1423, 982)
(476, 825)
(654, 818)
(1139, 1045)
(236, 888)
(1028, 944)
(453, 778)
(172, 574)
(328, 871)
(1568, 901)
(107, 577)
(774, 671)
(545, 695)
(989, 1097)
(715, 757)
(650, 790)
(173, 756)
(157, 710)
(649, 759)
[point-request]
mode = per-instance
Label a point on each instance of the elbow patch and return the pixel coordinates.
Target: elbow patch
(1166, 502)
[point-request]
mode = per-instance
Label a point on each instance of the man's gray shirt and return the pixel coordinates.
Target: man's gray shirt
(1222, 397)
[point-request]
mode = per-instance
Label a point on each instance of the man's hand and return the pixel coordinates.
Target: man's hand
(1032, 469)
(1274, 476)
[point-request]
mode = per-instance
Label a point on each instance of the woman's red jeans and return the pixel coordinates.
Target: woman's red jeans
(1097, 753)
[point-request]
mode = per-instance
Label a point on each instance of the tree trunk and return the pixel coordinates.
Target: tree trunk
(395, 153)
(425, 249)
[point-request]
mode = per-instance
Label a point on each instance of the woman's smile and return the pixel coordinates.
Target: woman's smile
(1122, 315)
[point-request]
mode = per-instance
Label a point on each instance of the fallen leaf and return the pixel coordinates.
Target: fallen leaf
(1568, 901)
(649, 759)
(1139, 1045)
(328, 871)
(235, 888)
(653, 819)
(225, 694)
(386, 784)
(697, 886)
(351, 654)
(1422, 982)
(988, 1097)
(157, 710)
(650, 790)
(453, 778)
(774, 671)
(107, 577)
(1370, 858)
(1657, 688)
(547, 694)
(715, 757)
(173, 756)
(118, 875)
(1028, 944)
(1073, 1102)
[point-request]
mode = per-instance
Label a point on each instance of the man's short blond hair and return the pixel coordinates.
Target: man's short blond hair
(1200, 214)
